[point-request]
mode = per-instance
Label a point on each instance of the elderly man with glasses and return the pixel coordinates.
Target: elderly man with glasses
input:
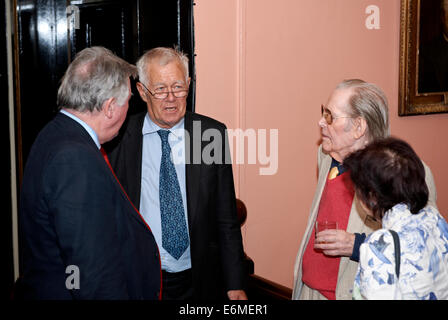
(356, 114)
(188, 202)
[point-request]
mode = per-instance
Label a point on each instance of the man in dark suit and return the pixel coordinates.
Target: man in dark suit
(82, 238)
(201, 252)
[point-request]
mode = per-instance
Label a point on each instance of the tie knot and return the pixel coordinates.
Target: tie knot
(164, 135)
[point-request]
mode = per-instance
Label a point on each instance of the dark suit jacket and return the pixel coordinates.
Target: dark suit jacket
(215, 235)
(73, 212)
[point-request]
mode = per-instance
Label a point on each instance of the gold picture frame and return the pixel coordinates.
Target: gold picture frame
(418, 25)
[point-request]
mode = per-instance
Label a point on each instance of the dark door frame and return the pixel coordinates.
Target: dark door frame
(6, 221)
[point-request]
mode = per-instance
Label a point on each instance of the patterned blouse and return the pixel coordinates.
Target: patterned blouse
(424, 257)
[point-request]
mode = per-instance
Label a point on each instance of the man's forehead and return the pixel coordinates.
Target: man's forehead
(158, 64)
(158, 72)
(339, 99)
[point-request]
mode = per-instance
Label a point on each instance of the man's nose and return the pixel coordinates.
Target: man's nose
(170, 96)
(322, 123)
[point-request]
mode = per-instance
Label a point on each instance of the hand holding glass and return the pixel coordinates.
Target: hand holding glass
(325, 225)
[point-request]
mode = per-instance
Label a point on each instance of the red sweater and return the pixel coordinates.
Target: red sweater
(320, 272)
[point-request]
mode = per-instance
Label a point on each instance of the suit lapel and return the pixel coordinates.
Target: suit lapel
(134, 153)
(192, 171)
(322, 180)
(132, 143)
(323, 172)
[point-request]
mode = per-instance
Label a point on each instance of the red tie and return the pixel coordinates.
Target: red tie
(103, 152)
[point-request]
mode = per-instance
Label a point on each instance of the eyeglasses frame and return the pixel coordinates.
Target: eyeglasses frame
(324, 112)
(167, 93)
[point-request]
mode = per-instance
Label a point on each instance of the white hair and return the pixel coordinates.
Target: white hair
(94, 76)
(162, 56)
(369, 102)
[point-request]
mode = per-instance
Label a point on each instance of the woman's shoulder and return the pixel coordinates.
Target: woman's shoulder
(379, 235)
(380, 245)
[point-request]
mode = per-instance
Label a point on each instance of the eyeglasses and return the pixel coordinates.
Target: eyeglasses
(328, 116)
(178, 92)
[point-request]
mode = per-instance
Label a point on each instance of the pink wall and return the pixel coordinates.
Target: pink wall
(269, 65)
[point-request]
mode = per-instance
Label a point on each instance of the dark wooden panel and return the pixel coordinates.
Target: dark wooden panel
(261, 289)
(7, 276)
(43, 59)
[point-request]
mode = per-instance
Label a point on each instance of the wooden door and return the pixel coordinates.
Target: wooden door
(51, 32)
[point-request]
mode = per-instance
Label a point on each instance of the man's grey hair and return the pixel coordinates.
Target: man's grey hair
(368, 101)
(162, 56)
(94, 76)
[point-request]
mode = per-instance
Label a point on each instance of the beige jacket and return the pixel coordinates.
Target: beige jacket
(358, 222)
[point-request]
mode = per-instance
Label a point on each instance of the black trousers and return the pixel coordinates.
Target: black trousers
(177, 286)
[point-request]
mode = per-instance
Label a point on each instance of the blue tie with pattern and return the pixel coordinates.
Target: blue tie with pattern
(174, 227)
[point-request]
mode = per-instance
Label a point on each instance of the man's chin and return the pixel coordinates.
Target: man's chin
(172, 119)
(169, 123)
(326, 146)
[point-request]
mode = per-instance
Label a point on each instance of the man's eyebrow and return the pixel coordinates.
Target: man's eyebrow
(166, 85)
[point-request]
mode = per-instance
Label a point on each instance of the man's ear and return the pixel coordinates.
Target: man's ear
(141, 91)
(109, 108)
(360, 127)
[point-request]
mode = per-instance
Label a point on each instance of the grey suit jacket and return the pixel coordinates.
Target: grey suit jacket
(359, 222)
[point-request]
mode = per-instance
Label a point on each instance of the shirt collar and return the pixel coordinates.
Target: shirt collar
(89, 130)
(335, 163)
(150, 127)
